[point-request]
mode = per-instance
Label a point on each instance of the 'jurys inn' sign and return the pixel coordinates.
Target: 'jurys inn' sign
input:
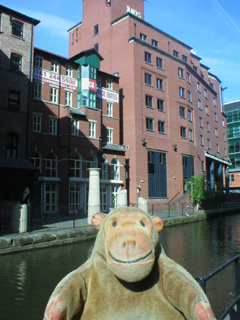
(138, 14)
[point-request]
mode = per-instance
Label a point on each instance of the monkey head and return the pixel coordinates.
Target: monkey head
(128, 239)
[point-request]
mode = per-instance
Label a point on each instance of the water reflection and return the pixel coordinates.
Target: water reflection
(27, 279)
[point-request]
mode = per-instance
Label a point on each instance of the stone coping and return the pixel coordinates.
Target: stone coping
(50, 237)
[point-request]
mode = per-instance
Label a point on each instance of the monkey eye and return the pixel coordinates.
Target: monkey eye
(142, 223)
(114, 223)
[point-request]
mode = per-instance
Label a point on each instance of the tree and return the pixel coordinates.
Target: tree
(197, 189)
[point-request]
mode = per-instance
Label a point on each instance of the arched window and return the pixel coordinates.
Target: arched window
(12, 145)
(104, 171)
(91, 161)
(115, 169)
(51, 166)
(75, 165)
(36, 160)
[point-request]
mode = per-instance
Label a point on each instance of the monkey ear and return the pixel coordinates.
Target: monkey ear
(158, 223)
(97, 219)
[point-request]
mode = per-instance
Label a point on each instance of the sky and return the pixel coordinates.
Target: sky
(210, 27)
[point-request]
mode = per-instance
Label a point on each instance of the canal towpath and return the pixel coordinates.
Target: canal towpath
(59, 234)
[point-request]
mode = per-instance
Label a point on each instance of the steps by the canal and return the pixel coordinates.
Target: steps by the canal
(62, 234)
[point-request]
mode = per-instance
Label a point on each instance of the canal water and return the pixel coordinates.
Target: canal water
(27, 279)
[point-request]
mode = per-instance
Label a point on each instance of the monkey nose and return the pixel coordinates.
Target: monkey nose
(129, 243)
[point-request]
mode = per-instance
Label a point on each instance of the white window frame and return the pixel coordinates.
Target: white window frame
(160, 84)
(37, 90)
(38, 62)
(92, 128)
(182, 92)
(69, 71)
(68, 98)
(54, 66)
(181, 73)
(53, 94)
(109, 84)
(37, 123)
(110, 135)
(52, 125)
(109, 109)
(75, 127)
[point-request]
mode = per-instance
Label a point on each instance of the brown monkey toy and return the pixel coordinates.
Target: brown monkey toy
(128, 277)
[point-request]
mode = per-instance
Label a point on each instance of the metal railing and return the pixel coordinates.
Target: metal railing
(234, 313)
(226, 205)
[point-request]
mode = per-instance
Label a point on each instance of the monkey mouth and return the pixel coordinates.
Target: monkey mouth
(130, 262)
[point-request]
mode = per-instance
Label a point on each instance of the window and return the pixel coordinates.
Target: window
(208, 127)
(207, 110)
(195, 68)
(212, 85)
(183, 132)
(12, 145)
(157, 174)
(215, 116)
(54, 66)
(149, 124)
(217, 148)
(93, 73)
(16, 62)
(175, 53)
(109, 135)
(223, 123)
(198, 87)
(17, 28)
(208, 143)
(148, 57)
(36, 160)
(99, 83)
(180, 73)
(109, 109)
(224, 137)
(69, 71)
(216, 132)
(214, 102)
(53, 126)
(75, 127)
(202, 76)
(92, 129)
(203, 165)
(159, 84)
(205, 93)
(38, 62)
(37, 91)
(189, 96)
(200, 122)
(75, 166)
(190, 115)
(161, 126)
(182, 92)
(182, 111)
(115, 170)
(190, 135)
(188, 78)
(68, 98)
(53, 95)
(92, 100)
(51, 166)
(14, 100)
(159, 63)
(184, 58)
(160, 105)
(148, 101)
(199, 104)
(96, 47)
(109, 84)
(95, 30)
(231, 176)
(37, 123)
(148, 79)
(201, 141)
(155, 43)
(99, 104)
(143, 37)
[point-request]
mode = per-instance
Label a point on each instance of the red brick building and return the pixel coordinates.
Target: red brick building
(75, 126)
(173, 125)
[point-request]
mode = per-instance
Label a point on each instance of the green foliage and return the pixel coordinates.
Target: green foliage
(197, 189)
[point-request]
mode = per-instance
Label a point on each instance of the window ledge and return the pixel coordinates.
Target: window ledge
(18, 37)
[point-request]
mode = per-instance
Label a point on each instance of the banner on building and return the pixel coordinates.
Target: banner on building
(106, 94)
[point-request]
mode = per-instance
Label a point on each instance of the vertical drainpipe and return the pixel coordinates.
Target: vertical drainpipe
(29, 94)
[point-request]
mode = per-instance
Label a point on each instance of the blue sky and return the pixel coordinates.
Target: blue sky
(210, 27)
